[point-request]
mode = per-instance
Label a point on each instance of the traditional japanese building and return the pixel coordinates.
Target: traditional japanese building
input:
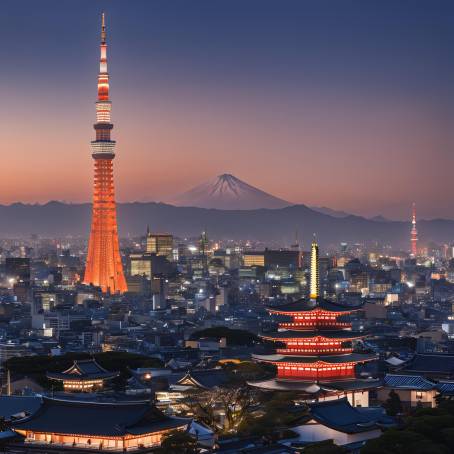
(83, 376)
(344, 424)
(95, 426)
(317, 354)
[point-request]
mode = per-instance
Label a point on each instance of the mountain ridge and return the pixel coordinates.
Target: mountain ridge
(58, 219)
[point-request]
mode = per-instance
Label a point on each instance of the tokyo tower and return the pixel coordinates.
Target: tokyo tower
(104, 268)
(414, 233)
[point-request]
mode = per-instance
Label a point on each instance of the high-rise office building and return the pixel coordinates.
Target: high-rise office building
(160, 244)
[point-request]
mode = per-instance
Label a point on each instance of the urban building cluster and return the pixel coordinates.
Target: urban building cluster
(227, 346)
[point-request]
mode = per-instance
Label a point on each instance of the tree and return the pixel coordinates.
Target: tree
(241, 373)
(278, 413)
(325, 447)
(233, 403)
(236, 403)
(425, 430)
(178, 442)
(4, 425)
(395, 441)
(233, 336)
(202, 405)
(393, 405)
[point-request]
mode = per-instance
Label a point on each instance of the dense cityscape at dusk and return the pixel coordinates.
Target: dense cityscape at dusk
(226, 227)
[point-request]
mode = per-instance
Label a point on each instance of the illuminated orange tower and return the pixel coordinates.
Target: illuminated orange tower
(414, 233)
(104, 268)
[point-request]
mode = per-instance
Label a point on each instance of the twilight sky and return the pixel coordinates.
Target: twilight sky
(341, 103)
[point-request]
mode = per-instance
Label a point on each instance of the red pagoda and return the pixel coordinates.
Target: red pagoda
(318, 356)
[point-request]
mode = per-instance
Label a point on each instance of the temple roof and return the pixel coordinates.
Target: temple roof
(329, 359)
(87, 369)
(431, 363)
(311, 387)
(207, 379)
(301, 334)
(351, 384)
(341, 416)
(416, 382)
(304, 305)
(98, 419)
(14, 407)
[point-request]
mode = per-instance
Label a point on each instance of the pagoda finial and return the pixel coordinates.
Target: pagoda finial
(314, 283)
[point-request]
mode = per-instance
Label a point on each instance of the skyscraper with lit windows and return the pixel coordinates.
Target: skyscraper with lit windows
(104, 267)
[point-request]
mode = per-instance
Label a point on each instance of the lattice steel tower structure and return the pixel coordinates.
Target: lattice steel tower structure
(414, 232)
(104, 268)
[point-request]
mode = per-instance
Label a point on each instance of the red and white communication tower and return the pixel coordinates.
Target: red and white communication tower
(103, 267)
(414, 233)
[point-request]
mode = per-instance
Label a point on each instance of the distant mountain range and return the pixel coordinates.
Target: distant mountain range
(331, 212)
(227, 192)
(56, 219)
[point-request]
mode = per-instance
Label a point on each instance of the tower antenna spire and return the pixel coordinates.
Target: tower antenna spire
(414, 232)
(103, 28)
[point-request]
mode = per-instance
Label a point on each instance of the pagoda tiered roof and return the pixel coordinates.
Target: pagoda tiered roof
(315, 388)
(327, 359)
(305, 305)
(306, 334)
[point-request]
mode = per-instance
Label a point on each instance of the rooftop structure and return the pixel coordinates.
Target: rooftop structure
(347, 426)
(97, 426)
(83, 376)
(432, 365)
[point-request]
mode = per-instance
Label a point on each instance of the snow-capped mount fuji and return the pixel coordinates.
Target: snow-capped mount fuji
(226, 192)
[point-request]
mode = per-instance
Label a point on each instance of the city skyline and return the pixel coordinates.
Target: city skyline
(319, 102)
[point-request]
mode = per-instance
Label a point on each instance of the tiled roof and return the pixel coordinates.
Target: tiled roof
(446, 387)
(329, 334)
(432, 363)
(83, 369)
(209, 378)
(408, 382)
(311, 387)
(340, 415)
(303, 305)
(14, 405)
(93, 418)
(329, 359)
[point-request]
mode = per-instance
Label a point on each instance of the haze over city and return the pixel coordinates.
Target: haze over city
(340, 104)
